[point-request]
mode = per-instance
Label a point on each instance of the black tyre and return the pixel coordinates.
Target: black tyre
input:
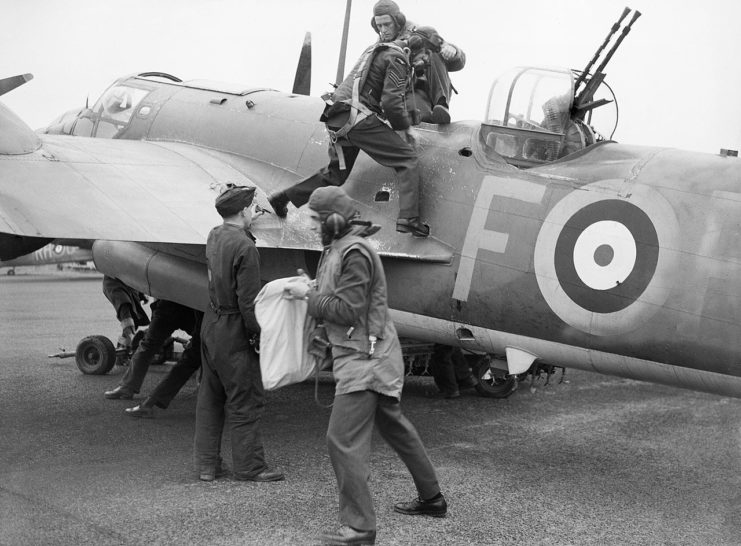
(95, 355)
(493, 382)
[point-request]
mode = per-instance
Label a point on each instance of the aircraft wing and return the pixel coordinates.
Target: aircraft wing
(82, 188)
(153, 192)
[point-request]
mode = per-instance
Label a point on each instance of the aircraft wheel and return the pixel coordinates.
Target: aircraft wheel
(11, 272)
(493, 382)
(95, 355)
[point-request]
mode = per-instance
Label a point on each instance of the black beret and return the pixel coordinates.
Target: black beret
(234, 199)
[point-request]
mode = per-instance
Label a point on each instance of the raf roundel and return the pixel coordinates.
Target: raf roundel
(603, 261)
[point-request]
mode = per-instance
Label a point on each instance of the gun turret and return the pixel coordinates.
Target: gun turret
(584, 100)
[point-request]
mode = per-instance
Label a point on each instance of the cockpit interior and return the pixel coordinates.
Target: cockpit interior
(529, 117)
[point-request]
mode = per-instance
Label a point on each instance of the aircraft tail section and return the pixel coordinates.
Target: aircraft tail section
(302, 81)
(15, 136)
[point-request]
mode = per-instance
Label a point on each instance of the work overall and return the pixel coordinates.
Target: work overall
(231, 390)
(167, 316)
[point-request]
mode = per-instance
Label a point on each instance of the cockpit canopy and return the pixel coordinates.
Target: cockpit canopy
(529, 118)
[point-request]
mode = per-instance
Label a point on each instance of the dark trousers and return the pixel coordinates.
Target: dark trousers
(438, 86)
(230, 393)
(430, 90)
(384, 146)
(349, 442)
(167, 317)
(450, 369)
(181, 372)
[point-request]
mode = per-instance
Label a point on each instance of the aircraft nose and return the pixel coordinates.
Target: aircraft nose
(15, 136)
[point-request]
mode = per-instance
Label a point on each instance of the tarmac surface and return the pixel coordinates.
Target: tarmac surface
(595, 460)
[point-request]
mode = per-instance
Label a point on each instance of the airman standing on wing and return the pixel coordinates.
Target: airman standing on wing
(368, 112)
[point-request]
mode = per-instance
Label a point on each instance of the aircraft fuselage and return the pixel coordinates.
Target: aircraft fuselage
(617, 258)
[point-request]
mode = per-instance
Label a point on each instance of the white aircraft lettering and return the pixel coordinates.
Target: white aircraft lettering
(477, 237)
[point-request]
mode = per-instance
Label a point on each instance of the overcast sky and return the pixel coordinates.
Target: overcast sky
(676, 76)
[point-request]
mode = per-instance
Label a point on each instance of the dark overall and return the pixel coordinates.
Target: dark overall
(167, 316)
(231, 390)
(182, 371)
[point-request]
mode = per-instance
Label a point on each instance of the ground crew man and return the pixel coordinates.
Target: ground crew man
(432, 61)
(349, 297)
(368, 112)
(129, 311)
(167, 316)
(231, 388)
(450, 370)
(179, 374)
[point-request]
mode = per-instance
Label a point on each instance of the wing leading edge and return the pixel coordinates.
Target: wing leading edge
(153, 192)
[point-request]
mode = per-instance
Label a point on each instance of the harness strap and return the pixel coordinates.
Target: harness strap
(358, 110)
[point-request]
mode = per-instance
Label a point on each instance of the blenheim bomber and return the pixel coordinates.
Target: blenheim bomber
(551, 243)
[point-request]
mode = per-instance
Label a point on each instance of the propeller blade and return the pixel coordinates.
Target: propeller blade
(302, 82)
(8, 84)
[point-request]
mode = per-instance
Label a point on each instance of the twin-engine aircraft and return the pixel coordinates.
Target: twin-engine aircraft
(550, 242)
(49, 255)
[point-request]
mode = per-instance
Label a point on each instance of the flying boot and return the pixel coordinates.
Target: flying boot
(412, 225)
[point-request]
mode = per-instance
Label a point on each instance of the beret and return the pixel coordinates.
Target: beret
(234, 199)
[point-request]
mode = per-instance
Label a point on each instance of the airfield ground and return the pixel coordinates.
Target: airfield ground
(596, 460)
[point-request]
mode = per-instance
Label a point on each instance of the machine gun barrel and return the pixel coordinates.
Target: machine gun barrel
(613, 30)
(583, 100)
(623, 34)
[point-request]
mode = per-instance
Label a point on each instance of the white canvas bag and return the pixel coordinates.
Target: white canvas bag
(283, 322)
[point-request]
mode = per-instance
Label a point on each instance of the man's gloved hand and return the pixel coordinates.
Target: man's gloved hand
(448, 52)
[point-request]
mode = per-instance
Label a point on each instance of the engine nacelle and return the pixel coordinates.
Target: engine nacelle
(160, 275)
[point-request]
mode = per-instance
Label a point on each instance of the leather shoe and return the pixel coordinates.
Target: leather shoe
(440, 115)
(142, 411)
(266, 475)
(119, 393)
(279, 201)
(436, 507)
(348, 535)
(413, 226)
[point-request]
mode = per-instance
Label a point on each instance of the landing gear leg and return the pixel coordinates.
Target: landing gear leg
(493, 382)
